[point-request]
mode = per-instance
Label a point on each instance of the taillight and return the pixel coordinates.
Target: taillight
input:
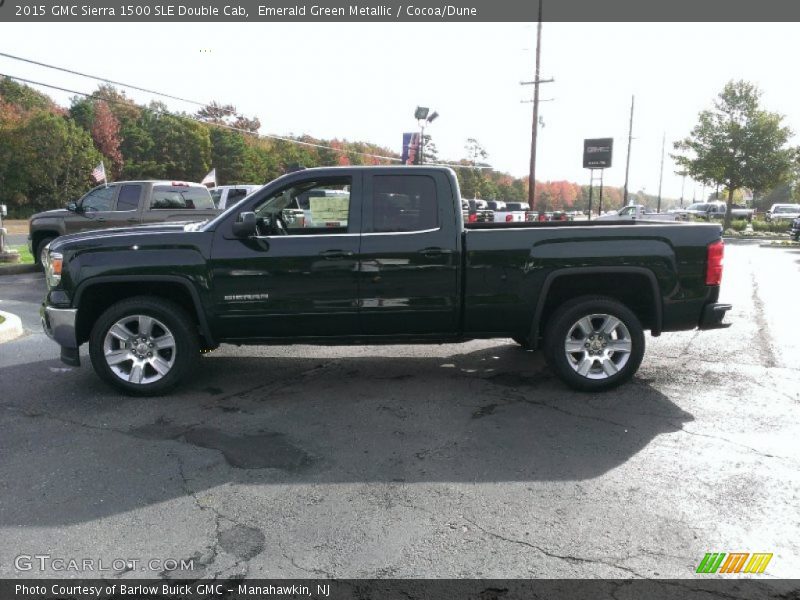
(714, 254)
(473, 218)
(509, 218)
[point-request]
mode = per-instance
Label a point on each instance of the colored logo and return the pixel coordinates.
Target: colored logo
(736, 562)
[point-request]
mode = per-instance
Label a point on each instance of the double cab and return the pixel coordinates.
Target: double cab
(373, 255)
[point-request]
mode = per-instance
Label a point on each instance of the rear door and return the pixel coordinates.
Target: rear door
(127, 208)
(408, 263)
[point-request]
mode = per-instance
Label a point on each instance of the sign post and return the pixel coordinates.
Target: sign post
(597, 153)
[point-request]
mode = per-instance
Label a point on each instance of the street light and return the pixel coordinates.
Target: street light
(424, 117)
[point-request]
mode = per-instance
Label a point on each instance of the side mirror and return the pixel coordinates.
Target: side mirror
(72, 207)
(245, 225)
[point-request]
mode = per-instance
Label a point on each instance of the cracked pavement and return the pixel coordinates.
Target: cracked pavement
(460, 460)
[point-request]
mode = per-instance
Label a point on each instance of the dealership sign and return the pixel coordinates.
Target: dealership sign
(597, 153)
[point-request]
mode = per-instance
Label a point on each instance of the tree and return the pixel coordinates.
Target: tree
(736, 144)
(105, 133)
(226, 115)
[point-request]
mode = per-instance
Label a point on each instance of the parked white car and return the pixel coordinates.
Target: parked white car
(225, 196)
(787, 212)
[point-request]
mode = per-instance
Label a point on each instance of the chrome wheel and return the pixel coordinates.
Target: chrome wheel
(139, 349)
(598, 346)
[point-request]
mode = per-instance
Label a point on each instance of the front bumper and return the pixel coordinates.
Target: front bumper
(59, 325)
(712, 316)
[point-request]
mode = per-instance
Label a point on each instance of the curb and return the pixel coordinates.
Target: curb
(18, 269)
(11, 328)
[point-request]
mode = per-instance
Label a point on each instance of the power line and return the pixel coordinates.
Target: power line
(223, 125)
(106, 80)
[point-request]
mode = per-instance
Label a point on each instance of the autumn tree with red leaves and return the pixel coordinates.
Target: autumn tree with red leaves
(105, 133)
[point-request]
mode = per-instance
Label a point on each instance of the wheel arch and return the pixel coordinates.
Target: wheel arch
(37, 237)
(95, 295)
(563, 284)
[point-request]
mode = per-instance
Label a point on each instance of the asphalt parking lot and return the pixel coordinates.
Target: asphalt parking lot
(466, 460)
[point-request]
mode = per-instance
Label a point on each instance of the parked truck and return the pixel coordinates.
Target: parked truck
(637, 211)
(121, 204)
(385, 258)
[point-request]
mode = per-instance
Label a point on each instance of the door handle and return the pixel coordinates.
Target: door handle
(133, 220)
(435, 251)
(332, 254)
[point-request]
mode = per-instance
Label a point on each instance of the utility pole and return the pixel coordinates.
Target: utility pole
(661, 177)
(628, 160)
(683, 185)
(535, 124)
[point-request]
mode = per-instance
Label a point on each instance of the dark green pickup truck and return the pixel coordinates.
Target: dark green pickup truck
(373, 255)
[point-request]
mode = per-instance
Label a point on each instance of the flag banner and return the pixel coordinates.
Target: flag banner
(210, 178)
(99, 173)
(410, 148)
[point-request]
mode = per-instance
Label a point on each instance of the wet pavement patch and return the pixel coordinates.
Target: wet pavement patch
(243, 542)
(263, 450)
(484, 411)
(268, 450)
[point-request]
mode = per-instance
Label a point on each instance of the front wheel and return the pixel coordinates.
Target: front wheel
(594, 343)
(143, 346)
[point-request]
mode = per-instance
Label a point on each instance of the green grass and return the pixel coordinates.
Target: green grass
(25, 257)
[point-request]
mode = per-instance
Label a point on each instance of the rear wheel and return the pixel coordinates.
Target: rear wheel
(594, 343)
(143, 346)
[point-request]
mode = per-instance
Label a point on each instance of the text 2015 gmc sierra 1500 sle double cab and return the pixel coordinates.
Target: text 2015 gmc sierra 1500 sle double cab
(376, 255)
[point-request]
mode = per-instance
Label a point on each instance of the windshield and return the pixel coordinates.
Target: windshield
(788, 209)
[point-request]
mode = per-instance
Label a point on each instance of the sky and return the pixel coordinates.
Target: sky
(363, 81)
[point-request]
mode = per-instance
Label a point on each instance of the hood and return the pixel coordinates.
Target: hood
(120, 235)
(58, 213)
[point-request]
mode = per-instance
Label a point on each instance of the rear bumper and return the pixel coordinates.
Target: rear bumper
(712, 315)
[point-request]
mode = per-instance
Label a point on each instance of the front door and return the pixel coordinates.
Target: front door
(95, 210)
(298, 276)
(408, 269)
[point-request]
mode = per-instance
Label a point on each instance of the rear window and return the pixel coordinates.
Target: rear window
(180, 197)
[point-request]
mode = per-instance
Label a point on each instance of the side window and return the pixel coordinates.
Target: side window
(99, 199)
(309, 207)
(128, 198)
(404, 203)
(180, 197)
(234, 195)
(216, 196)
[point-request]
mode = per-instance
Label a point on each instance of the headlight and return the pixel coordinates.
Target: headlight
(52, 268)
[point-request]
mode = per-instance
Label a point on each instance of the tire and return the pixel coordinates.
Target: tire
(583, 324)
(40, 248)
(144, 346)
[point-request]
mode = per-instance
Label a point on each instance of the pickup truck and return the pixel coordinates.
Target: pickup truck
(637, 211)
(120, 204)
(385, 258)
(227, 195)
